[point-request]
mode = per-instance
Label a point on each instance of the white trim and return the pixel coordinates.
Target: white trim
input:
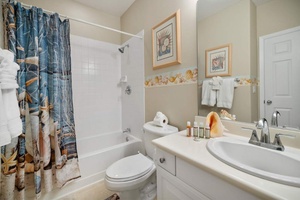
(261, 64)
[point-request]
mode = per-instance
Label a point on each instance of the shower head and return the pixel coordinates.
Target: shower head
(121, 49)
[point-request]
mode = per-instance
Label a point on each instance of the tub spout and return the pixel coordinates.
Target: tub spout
(127, 130)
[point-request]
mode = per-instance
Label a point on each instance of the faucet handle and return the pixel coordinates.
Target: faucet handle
(254, 136)
(277, 140)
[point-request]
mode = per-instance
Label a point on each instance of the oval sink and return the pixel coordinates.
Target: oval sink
(277, 166)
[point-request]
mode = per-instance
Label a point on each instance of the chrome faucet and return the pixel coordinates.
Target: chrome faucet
(127, 130)
(265, 134)
(274, 121)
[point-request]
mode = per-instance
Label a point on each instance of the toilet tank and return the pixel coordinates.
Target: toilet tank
(151, 132)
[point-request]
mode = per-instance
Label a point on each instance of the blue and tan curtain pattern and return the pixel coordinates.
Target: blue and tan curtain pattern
(41, 44)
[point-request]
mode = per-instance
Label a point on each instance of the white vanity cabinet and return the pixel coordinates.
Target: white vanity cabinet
(170, 187)
(178, 179)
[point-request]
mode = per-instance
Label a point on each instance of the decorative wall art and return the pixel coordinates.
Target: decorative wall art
(218, 61)
(166, 42)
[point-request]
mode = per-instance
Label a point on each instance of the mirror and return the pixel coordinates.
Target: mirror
(241, 23)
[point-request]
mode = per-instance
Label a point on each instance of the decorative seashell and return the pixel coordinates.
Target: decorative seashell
(188, 74)
(215, 124)
(224, 113)
(172, 79)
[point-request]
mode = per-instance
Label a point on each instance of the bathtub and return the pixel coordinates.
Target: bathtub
(98, 152)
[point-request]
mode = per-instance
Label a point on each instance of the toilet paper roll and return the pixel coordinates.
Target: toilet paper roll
(160, 119)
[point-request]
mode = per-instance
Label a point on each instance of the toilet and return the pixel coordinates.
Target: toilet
(134, 177)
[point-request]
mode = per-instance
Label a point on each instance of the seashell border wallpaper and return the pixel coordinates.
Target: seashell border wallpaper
(188, 76)
(178, 77)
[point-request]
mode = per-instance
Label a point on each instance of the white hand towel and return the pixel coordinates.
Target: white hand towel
(209, 96)
(4, 133)
(226, 93)
(12, 112)
(216, 83)
(8, 72)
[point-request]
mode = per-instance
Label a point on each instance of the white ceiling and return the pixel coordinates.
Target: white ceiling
(210, 7)
(112, 7)
(118, 7)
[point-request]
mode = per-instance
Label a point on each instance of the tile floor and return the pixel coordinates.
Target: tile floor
(96, 191)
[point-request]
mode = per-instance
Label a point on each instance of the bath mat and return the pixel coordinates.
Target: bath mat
(113, 197)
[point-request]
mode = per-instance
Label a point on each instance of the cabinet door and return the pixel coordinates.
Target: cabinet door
(170, 187)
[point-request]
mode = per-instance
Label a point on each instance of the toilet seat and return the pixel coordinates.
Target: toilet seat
(129, 168)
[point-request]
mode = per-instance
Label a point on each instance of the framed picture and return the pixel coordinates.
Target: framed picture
(218, 61)
(166, 44)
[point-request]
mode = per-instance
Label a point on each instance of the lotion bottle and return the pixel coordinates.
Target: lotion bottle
(188, 129)
(196, 131)
(201, 130)
(207, 131)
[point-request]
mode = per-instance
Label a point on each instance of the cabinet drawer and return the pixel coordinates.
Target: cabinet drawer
(165, 160)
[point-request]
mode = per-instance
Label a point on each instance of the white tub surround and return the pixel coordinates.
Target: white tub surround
(191, 156)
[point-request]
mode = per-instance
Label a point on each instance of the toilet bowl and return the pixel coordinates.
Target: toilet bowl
(134, 177)
(129, 173)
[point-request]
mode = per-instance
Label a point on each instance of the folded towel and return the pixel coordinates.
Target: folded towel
(4, 133)
(12, 112)
(6, 55)
(9, 67)
(216, 82)
(208, 95)
(225, 93)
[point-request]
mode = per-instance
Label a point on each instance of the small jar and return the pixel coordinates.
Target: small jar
(201, 130)
(196, 131)
(207, 132)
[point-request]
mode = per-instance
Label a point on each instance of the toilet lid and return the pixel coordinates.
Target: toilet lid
(129, 168)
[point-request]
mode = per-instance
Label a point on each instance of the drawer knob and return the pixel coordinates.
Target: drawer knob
(162, 160)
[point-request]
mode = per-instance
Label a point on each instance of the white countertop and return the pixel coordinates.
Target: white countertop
(196, 154)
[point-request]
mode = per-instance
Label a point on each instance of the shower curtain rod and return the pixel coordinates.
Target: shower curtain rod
(85, 22)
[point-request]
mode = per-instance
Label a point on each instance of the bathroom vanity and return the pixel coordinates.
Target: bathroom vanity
(187, 170)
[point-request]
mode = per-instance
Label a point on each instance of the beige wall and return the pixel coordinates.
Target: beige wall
(277, 15)
(77, 10)
(179, 103)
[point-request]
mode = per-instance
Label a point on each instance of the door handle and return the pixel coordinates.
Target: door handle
(269, 102)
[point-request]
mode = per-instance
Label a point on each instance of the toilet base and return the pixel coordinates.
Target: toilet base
(135, 194)
(130, 195)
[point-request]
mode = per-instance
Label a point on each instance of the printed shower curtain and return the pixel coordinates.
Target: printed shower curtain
(41, 44)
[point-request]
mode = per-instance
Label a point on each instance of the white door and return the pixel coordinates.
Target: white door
(280, 62)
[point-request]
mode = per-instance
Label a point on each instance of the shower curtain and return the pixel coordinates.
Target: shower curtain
(41, 45)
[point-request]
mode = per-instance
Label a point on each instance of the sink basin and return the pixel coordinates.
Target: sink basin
(280, 167)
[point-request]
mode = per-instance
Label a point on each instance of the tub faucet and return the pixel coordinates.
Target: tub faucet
(127, 130)
(274, 121)
(265, 134)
